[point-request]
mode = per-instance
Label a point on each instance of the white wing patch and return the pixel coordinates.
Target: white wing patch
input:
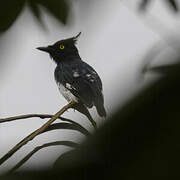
(66, 93)
(75, 74)
(68, 86)
(90, 77)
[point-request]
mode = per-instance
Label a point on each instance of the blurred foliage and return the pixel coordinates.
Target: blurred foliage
(140, 141)
(11, 9)
(173, 4)
(164, 69)
(38, 148)
(157, 50)
(67, 124)
(144, 4)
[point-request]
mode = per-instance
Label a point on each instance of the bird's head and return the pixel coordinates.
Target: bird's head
(62, 50)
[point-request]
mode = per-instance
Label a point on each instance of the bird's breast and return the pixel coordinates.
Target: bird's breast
(66, 92)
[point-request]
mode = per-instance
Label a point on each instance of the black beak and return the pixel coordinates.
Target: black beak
(46, 49)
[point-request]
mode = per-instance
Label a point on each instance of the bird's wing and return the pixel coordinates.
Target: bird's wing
(83, 82)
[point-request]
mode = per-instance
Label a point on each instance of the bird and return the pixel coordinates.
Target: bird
(77, 81)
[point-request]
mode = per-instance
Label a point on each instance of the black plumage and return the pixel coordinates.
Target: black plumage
(77, 81)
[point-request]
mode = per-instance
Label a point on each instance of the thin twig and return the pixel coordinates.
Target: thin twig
(30, 154)
(35, 133)
(42, 116)
(26, 116)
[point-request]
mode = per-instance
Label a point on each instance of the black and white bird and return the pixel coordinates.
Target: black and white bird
(77, 81)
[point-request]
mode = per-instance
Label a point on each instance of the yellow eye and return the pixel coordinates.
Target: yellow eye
(61, 46)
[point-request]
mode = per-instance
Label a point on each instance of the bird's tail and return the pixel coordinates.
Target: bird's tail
(101, 110)
(82, 109)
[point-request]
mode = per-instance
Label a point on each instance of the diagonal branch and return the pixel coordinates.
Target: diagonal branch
(35, 133)
(30, 154)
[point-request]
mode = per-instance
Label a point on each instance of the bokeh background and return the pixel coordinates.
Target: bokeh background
(115, 39)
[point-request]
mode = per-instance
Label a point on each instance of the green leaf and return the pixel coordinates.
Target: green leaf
(9, 11)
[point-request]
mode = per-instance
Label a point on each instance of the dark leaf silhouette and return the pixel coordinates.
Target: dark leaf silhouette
(56, 143)
(58, 8)
(69, 126)
(140, 141)
(172, 43)
(143, 137)
(165, 69)
(173, 4)
(151, 55)
(9, 11)
(35, 10)
(144, 4)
